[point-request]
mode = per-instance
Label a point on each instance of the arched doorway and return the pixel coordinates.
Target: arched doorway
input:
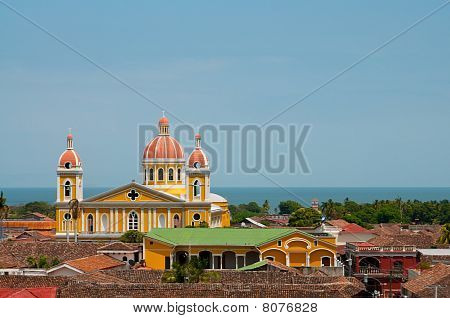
(326, 261)
(251, 257)
(228, 260)
(176, 221)
(373, 286)
(90, 223)
(105, 225)
(316, 257)
(206, 256)
(182, 257)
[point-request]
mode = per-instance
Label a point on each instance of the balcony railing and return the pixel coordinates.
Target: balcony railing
(372, 270)
(392, 249)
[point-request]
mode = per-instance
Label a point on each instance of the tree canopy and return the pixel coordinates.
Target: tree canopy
(304, 217)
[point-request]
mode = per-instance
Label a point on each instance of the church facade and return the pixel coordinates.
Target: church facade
(174, 193)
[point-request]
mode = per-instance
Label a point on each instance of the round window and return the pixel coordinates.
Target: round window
(68, 165)
(196, 217)
(196, 165)
(67, 216)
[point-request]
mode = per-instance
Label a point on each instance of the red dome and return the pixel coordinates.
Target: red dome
(164, 120)
(71, 156)
(163, 147)
(198, 156)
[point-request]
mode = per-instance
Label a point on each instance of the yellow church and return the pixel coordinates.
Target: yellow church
(174, 193)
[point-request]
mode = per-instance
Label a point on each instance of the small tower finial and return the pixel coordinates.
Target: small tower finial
(164, 113)
(70, 139)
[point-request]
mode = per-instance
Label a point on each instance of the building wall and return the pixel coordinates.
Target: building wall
(295, 250)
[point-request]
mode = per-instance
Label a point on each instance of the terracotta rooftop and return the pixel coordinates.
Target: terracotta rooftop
(94, 263)
(35, 236)
(422, 286)
(44, 292)
(405, 238)
(13, 254)
(119, 246)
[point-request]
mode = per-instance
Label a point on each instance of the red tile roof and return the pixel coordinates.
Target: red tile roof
(422, 286)
(119, 246)
(44, 292)
(94, 263)
(348, 227)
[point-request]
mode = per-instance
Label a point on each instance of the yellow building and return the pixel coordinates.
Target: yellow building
(174, 193)
(232, 248)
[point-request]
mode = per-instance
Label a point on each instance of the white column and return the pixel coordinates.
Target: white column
(82, 220)
(335, 260)
(111, 221)
(154, 218)
(150, 225)
(116, 213)
(307, 259)
(288, 262)
(142, 220)
(124, 221)
(58, 188)
(169, 219)
(97, 223)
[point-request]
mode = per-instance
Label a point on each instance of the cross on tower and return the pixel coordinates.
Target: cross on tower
(133, 194)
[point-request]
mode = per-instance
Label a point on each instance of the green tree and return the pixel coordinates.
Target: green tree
(132, 236)
(36, 206)
(192, 272)
(305, 217)
(42, 261)
(289, 206)
(4, 209)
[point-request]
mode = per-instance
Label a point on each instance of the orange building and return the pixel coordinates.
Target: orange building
(232, 248)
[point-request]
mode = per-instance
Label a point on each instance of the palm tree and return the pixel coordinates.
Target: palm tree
(445, 234)
(74, 209)
(4, 209)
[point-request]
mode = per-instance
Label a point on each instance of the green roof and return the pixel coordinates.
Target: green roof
(219, 236)
(254, 266)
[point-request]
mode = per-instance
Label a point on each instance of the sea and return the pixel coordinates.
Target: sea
(238, 195)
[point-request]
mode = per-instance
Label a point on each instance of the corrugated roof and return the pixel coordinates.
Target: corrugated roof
(220, 236)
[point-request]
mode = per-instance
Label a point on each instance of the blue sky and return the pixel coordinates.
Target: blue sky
(384, 123)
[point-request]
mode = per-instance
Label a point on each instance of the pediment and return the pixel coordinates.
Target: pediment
(133, 192)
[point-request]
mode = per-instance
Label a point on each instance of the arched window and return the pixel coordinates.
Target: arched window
(145, 175)
(151, 174)
(170, 174)
(160, 174)
(176, 221)
(179, 174)
(90, 223)
(105, 225)
(162, 221)
(326, 261)
(196, 188)
(133, 221)
(67, 189)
